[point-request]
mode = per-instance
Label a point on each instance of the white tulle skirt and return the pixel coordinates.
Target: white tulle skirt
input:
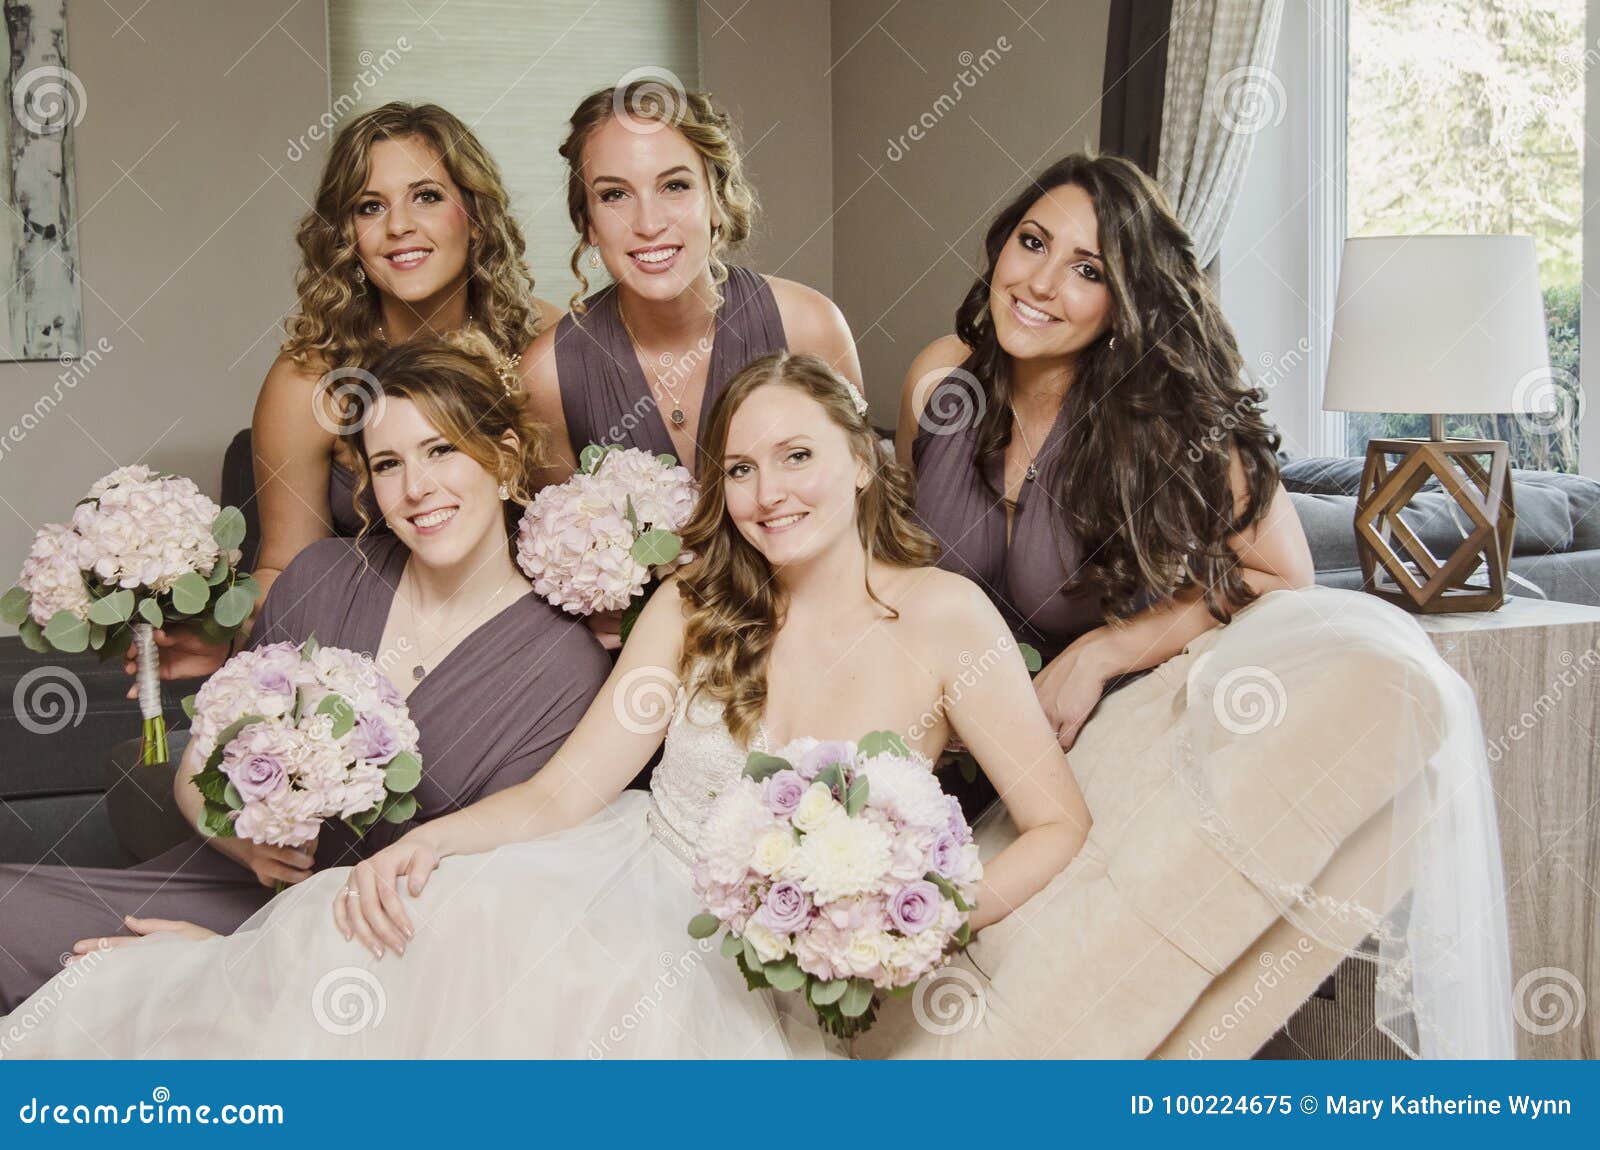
(571, 946)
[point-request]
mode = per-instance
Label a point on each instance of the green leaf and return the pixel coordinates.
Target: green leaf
(760, 766)
(228, 528)
(704, 925)
(248, 582)
(362, 823)
(32, 636)
(590, 458)
(403, 773)
(856, 998)
(785, 974)
(113, 608)
(857, 798)
(403, 808)
(232, 797)
(667, 459)
(215, 822)
(827, 993)
(344, 715)
(1030, 658)
(225, 736)
(963, 935)
(732, 945)
(883, 743)
(150, 612)
(213, 784)
(751, 960)
(97, 636)
(67, 632)
(187, 703)
(947, 888)
(190, 594)
(233, 607)
(14, 606)
(831, 776)
(219, 573)
(656, 547)
(629, 513)
(309, 648)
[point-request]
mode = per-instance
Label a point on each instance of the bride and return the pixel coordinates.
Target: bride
(549, 920)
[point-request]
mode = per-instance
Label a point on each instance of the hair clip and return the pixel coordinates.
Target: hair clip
(507, 371)
(856, 397)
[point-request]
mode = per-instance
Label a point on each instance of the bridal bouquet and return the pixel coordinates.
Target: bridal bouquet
(593, 543)
(843, 873)
(142, 550)
(294, 734)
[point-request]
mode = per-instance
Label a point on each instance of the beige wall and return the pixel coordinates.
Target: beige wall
(908, 233)
(767, 63)
(186, 204)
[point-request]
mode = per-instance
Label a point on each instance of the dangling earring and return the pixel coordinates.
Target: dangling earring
(504, 493)
(1113, 343)
(594, 258)
(361, 276)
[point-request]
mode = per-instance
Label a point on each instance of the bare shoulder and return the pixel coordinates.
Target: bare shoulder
(931, 364)
(947, 615)
(538, 366)
(549, 314)
(288, 398)
(810, 319)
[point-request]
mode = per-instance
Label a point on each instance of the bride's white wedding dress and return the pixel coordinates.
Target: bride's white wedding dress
(570, 946)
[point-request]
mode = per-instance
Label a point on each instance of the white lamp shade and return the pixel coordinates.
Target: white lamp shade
(1439, 324)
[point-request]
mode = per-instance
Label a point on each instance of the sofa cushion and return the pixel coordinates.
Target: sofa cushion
(1547, 504)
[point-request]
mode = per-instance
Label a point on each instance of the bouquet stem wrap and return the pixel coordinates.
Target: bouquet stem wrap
(153, 749)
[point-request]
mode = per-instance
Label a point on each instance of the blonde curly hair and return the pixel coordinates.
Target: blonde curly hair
(337, 322)
(698, 119)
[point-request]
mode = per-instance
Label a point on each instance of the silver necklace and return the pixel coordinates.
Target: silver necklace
(676, 414)
(420, 669)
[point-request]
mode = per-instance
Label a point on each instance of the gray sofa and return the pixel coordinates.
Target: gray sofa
(1556, 545)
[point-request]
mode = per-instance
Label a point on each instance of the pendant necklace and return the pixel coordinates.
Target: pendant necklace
(676, 415)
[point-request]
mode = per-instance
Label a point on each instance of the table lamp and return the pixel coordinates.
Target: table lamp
(1432, 325)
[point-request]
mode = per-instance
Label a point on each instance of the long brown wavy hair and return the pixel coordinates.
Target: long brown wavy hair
(456, 382)
(736, 606)
(1142, 476)
(338, 318)
(709, 130)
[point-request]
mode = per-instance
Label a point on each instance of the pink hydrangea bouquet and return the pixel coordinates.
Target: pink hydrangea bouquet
(142, 549)
(293, 734)
(839, 869)
(595, 542)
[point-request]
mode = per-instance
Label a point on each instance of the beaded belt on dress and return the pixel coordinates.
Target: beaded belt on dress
(680, 848)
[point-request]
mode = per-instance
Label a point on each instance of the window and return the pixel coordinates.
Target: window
(512, 70)
(1467, 117)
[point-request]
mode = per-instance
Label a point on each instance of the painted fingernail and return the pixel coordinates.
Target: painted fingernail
(409, 932)
(378, 951)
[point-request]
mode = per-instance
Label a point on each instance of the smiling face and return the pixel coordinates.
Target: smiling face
(411, 222)
(442, 503)
(789, 476)
(1048, 297)
(650, 206)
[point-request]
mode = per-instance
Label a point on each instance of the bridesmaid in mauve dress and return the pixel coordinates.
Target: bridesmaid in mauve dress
(489, 714)
(640, 362)
(1086, 446)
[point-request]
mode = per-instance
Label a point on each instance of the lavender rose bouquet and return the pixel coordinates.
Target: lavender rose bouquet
(142, 549)
(596, 542)
(291, 735)
(840, 870)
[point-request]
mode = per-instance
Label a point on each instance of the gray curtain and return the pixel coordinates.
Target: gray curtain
(1220, 92)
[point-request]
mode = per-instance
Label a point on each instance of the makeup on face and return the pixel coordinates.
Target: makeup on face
(434, 496)
(412, 229)
(1048, 296)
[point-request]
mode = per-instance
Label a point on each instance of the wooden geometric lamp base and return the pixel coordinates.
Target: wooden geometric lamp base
(1395, 564)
